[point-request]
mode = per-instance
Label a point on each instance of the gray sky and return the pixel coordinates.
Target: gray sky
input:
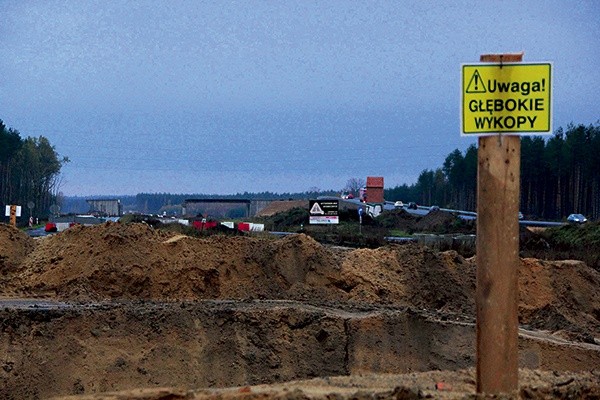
(232, 96)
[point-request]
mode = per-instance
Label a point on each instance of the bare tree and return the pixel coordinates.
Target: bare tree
(354, 185)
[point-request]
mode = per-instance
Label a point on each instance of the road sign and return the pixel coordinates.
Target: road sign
(54, 209)
(506, 98)
(324, 212)
(13, 210)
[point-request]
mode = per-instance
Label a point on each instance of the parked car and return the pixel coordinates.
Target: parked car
(412, 205)
(398, 204)
(434, 208)
(576, 219)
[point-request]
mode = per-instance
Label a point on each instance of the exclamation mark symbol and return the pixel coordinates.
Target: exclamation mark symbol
(476, 84)
(543, 84)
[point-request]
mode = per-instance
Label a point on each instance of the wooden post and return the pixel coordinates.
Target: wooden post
(498, 181)
(13, 215)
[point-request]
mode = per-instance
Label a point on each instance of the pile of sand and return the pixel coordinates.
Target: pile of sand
(117, 261)
(398, 219)
(276, 207)
(394, 309)
(14, 247)
(561, 297)
(134, 261)
(435, 221)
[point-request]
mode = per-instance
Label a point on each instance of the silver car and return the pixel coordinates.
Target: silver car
(576, 219)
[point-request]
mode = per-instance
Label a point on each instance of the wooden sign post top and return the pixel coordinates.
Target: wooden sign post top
(500, 58)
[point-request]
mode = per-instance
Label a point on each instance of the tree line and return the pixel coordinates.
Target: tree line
(29, 171)
(559, 176)
(157, 203)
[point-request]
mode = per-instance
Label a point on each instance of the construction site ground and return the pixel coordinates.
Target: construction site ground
(125, 311)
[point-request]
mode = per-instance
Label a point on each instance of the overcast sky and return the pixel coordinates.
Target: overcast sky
(220, 97)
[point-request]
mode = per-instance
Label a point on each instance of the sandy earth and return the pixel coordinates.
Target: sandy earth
(278, 206)
(135, 309)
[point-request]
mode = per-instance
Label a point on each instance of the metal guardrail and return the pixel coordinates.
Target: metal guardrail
(424, 238)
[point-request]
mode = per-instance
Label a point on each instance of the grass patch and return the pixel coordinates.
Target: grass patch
(400, 233)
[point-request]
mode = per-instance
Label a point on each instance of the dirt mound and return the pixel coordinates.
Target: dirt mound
(410, 275)
(581, 242)
(134, 261)
(530, 239)
(14, 247)
(277, 310)
(435, 219)
(117, 261)
(560, 296)
(83, 261)
(280, 206)
(397, 219)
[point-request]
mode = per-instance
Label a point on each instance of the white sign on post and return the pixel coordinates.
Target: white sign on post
(324, 212)
(17, 211)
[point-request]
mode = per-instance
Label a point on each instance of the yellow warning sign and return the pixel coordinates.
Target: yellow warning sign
(506, 98)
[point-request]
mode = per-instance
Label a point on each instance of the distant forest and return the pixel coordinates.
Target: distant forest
(29, 172)
(559, 176)
(170, 204)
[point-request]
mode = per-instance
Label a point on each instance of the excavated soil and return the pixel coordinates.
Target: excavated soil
(279, 206)
(133, 307)
(14, 247)
(435, 220)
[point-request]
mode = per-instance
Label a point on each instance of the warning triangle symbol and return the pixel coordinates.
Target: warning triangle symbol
(476, 84)
(316, 209)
